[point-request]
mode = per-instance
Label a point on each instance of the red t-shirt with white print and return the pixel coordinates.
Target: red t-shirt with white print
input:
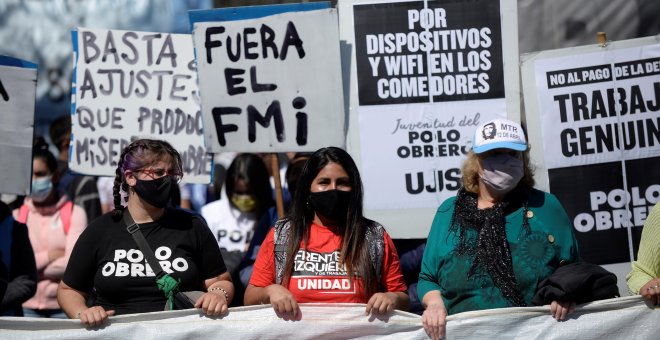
(318, 275)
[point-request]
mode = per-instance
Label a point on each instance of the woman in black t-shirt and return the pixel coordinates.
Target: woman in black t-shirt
(107, 261)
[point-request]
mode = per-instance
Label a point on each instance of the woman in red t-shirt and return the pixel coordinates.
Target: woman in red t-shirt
(325, 250)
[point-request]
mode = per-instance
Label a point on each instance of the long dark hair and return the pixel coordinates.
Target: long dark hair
(251, 169)
(354, 251)
(139, 154)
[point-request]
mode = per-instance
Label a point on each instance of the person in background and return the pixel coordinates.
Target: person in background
(103, 260)
(492, 244)
(270, 217)
(104, 186)
(54, 224)
(193, 196)
(18, 270)
(410, 253)
(326, 221)
(644, 278)
(247, 195)
(81, 189)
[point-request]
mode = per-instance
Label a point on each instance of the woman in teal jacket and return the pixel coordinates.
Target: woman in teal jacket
(492, 244)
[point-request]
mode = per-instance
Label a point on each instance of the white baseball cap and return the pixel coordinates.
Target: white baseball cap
(499, 133)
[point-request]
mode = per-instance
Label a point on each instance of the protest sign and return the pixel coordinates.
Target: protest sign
(597, 113)
(426, 73)
(40, 31)
(18, 84)
(129, 85)
(270, 83)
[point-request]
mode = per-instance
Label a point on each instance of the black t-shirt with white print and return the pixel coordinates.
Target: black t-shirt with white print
(107, 259)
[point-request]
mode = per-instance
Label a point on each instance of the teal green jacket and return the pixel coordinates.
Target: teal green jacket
(550, 243)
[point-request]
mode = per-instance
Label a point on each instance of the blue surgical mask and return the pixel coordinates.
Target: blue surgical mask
(41, 188)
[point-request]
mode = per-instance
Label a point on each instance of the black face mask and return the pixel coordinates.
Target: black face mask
(155, 192)
(331, 204)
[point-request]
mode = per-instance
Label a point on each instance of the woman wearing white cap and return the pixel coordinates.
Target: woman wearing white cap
(492, 244)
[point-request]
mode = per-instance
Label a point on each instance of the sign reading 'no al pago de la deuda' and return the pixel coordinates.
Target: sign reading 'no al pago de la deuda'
(595, 112)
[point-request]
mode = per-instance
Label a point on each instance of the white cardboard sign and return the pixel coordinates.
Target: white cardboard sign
(18, 85)
(271, 84)
(129, 85)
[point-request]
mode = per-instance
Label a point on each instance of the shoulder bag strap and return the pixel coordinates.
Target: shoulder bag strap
(167, 284)
(134, 229)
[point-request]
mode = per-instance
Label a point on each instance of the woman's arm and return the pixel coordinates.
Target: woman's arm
(394, 296)
(73, 304)
(647, 266)
(434, 318)
(386, 302)
(220, 292)
(279, 297)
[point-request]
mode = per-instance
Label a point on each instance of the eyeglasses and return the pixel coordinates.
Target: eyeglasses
(158, 173)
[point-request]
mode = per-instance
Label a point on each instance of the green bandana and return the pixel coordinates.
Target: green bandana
(169, 286)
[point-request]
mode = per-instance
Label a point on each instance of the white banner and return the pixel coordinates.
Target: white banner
(18, 84)
(271, 84)
(131, 85)
(622, 318)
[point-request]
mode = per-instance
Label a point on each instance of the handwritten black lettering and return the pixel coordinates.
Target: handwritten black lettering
(128, 48)
(249, 45)
(241, 43)
(110, 48)
(256, 87)
(292, 38)
(88, 119)
(273, 112)
(268, 41)
(232, 80)
(133, 60)
(221, 128)
(210, 44)
(3, 92)
(301, 120)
